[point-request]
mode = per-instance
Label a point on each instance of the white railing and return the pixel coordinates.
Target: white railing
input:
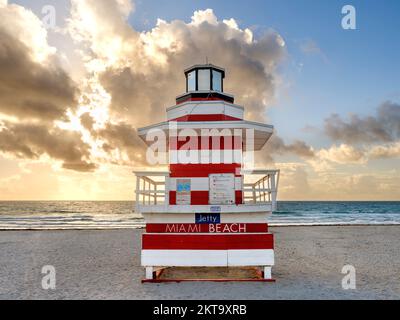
(152, 189)
(264, 189)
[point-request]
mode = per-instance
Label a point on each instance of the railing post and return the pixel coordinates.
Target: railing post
(166, 197)
(142, 193)
(273, 191)
(263, 185)
(149, 193)
(137, 194)
(269, 187)
(155, 194)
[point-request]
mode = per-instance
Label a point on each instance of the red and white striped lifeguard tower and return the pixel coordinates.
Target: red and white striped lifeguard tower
(208, 210)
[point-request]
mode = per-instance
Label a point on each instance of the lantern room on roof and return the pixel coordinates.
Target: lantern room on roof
(205, 81)
(205, 77)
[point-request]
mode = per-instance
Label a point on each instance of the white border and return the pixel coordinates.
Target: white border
(207, 258)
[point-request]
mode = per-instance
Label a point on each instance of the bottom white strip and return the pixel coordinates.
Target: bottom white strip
(250, 258)
(207, 258)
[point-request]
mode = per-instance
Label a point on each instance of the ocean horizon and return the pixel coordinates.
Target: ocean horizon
(64, 215)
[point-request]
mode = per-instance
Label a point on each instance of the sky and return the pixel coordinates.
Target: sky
(73, 94)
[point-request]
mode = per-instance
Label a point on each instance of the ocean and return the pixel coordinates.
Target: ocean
(54, 215)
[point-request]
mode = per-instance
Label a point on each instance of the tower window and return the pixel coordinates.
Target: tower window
(204, 79)
(217, 81)
(191, 81)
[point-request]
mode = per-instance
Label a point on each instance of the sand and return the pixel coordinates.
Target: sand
(102, 264)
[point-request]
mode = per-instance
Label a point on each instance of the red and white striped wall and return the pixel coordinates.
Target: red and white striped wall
(207, 249)
(205, 111)
(195, 158)
(208, 156)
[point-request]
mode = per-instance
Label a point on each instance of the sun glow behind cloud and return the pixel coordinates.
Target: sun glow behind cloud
(87, 127)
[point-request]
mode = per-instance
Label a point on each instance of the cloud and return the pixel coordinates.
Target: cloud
(31, 141)
(118, 141)
(122, 143)
(143, 71)
(298, 182)
(294, 181)
(343, 154)
(310, 47)
(101, 25)
(35, 92)
(383, 127)
(276, 146)
(363, 138)
(32, 85)
(30, 90)
(129, 78)
(391, 150)
(372, 186)
(24, 25)
(87, 122)
(126, 78)
(348, 154)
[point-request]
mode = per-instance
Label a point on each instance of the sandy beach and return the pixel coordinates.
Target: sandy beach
(105, 264)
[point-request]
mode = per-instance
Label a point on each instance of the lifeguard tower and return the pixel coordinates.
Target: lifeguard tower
(208, 209)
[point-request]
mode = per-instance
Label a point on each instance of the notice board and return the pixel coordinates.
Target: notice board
(183, 191)
(222, 189)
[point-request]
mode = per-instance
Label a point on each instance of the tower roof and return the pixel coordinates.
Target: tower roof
(205, 66)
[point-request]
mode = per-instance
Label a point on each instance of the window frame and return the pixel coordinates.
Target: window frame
(196, 82)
